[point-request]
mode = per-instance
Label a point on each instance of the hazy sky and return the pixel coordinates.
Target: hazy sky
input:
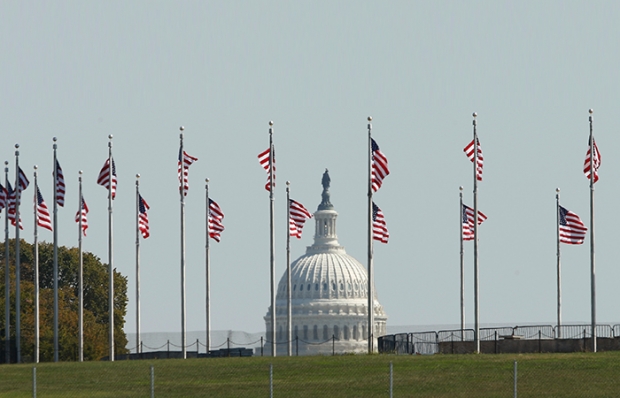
(139, 70)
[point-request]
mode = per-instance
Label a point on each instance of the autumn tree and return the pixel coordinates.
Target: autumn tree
(96, 303)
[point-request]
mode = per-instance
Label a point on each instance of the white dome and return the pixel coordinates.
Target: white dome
(329, 295)
(327, 274)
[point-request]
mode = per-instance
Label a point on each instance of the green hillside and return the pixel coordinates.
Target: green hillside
(549, 375)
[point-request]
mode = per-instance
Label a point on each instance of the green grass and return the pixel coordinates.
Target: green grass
(549, 375)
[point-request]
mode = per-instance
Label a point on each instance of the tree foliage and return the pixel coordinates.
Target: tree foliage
(96, 303)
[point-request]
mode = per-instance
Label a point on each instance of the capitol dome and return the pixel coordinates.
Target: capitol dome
(329, 295)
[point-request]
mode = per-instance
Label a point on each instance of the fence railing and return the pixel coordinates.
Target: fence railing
(428, 342)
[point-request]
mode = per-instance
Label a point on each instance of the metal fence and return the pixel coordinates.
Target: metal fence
(425, 343)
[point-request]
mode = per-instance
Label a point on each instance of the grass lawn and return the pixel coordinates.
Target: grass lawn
(549, 375)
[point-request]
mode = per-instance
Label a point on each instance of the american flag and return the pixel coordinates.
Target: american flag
(104, 176)
(572, 229)
(298, 216)
(263, 159)
(81, 213)
(60, 186)
(43, 214)
(216, 215)
(469, 151)
(23, 182)
(12, 206)
(143, 218)
(185, 160)
(379, 166)
(3, 197)
(468, 222)
(379, 227)
(596, 161)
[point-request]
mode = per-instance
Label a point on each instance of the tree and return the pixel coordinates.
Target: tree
(96, 315)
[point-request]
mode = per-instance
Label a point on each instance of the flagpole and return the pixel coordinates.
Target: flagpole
(289, 311)
(80, 276)
(36, 271)
(110, 250)
(272, 244)
(371, 309)
(559, 269)
(476, 269)
(592, 264)
(462, 267)
(182, 192)
(137, 263)
(17, 259)
(55, 256)
(7, 275)
(208, 269)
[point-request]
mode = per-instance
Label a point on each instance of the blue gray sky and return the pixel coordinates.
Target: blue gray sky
(139, 70)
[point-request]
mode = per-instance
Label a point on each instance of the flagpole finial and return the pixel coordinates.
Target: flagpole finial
(181, 128)
(80, 172)
(288, 183)
(271, 123)
(54, 139)
(475, 114)
(370, 118)
(16, 146)
(557, 190)
(110, 136)
(207, 180)
(461, 188)
(36, 167)
(137, 176)
(591, 111)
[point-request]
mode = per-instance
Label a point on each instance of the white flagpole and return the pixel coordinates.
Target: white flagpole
(7, 275)
(559, 268)
(137, 263)
(55, 212)
(208, 270)
(289, 311)
(272, 244)
(462, 267)
(476, 269)
(80, 276)
(592, 264)
(18, 194)
(36, 271)
(111, 250)
(182, 194)
(371, 307)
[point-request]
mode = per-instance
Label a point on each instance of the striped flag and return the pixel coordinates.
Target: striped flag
(23, 182)
(43, 214)
(81, 213)
(572, 229)
(379, 227)
(12, 206)
(298, 216)
(106, 175)
(379, 166)
(60, 185)
(596, 161)
(185, 160)
(468, 222)
(469, 151)
(216, 215)
(143, 217)
(3, 197)
(263, 159)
